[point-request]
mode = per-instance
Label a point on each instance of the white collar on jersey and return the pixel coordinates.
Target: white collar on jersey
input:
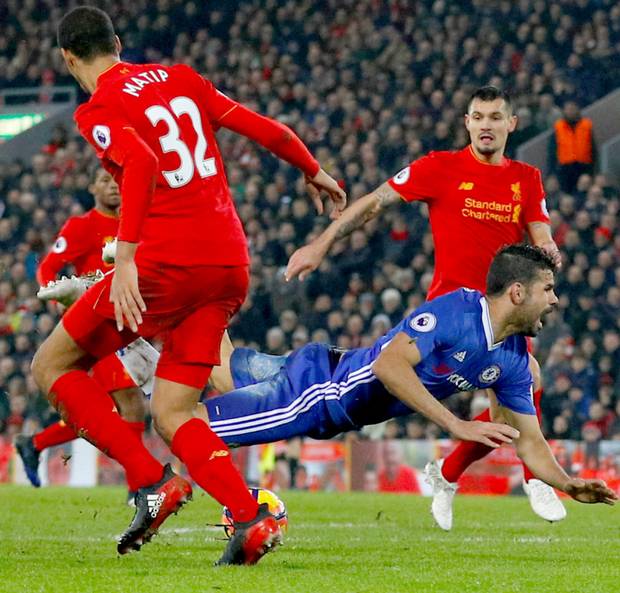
(488, 329)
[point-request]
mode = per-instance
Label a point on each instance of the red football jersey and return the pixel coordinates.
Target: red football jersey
(160, 121)
(474, 208)
(79, 242)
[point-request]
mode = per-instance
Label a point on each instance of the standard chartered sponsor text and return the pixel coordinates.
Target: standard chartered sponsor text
(487, 210)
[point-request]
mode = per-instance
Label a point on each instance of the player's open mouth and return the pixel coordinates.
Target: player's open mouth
(486, 137)
(543, 315)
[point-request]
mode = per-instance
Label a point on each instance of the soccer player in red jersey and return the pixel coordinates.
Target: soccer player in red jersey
(478, 200)
(79, 243)
(181, 272)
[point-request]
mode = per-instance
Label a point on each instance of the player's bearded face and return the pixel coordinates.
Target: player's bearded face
(540, 301)
(488, 124)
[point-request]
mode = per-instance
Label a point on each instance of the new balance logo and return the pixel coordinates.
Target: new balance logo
(460, 356)
(466, 185)
(218, 453)
(154, 502)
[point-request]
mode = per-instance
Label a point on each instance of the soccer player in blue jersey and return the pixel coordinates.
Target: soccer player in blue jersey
(458, 342)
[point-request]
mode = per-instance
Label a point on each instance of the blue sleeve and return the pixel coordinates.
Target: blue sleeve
(514, 389)
(432, 326)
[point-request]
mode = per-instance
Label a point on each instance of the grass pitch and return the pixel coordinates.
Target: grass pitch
(62, 540)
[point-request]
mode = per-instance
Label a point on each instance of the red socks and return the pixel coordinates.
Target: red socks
(137, 428)
(54, 434)
(466, 452)
(87, 408)
(209, 463)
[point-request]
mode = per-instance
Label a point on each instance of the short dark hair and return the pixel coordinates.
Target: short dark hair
(516, 263)
(490, 93)
(87, 32)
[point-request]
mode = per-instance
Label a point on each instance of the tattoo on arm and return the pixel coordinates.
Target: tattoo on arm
(350, 225)
(384, 196)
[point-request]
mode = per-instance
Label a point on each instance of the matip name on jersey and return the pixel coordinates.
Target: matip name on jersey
(134, 87)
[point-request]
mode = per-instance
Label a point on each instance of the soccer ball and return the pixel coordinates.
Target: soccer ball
(261, 495)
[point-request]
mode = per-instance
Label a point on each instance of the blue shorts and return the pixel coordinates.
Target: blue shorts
(288, 401)
(312, 392)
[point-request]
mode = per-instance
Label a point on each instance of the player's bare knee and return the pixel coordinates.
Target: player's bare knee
(44, 372)
(536, 375)
(38, 366)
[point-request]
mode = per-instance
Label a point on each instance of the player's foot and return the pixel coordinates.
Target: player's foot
(154, 504)
(252, 539)
(30, 458)
(68, 290)
(131, 498)
(544, 501)
(443, 494)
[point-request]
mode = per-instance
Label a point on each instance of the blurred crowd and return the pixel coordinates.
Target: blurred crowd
(369, 86)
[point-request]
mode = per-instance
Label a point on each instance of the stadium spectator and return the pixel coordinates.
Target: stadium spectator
(571, 147)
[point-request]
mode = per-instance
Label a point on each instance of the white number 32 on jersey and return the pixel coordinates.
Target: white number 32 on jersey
(171, 142)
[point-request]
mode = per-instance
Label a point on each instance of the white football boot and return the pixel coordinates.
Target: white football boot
(108, 252)
(443, 494)
(68, 290)
(544, 501)
(140, 361)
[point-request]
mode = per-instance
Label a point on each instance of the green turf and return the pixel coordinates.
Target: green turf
(61, 540)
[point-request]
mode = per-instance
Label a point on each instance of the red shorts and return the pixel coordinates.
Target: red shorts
(110, 373)
(188, 307)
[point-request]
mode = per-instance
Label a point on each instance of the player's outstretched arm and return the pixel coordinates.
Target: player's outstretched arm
(308, 258)
(535, 452)
(284, 143)
(394, 368)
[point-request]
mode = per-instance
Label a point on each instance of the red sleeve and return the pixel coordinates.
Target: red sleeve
(116, 141)
(418, 180)
(535, 205)
(274, 136)
(71, 243)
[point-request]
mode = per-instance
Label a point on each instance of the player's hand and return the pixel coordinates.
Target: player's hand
(591, 491)
(304, 260)
(487, 433)
(323, 182)
(125, 294)
(552, 250)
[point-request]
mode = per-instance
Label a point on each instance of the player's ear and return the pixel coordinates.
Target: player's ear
(118, 45)
(68, 57)
(467, 121)
(512, 123)
(517, 293)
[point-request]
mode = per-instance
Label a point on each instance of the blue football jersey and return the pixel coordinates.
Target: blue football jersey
(454, 336)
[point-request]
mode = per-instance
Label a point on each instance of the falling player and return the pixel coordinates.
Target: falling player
(320, 391)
